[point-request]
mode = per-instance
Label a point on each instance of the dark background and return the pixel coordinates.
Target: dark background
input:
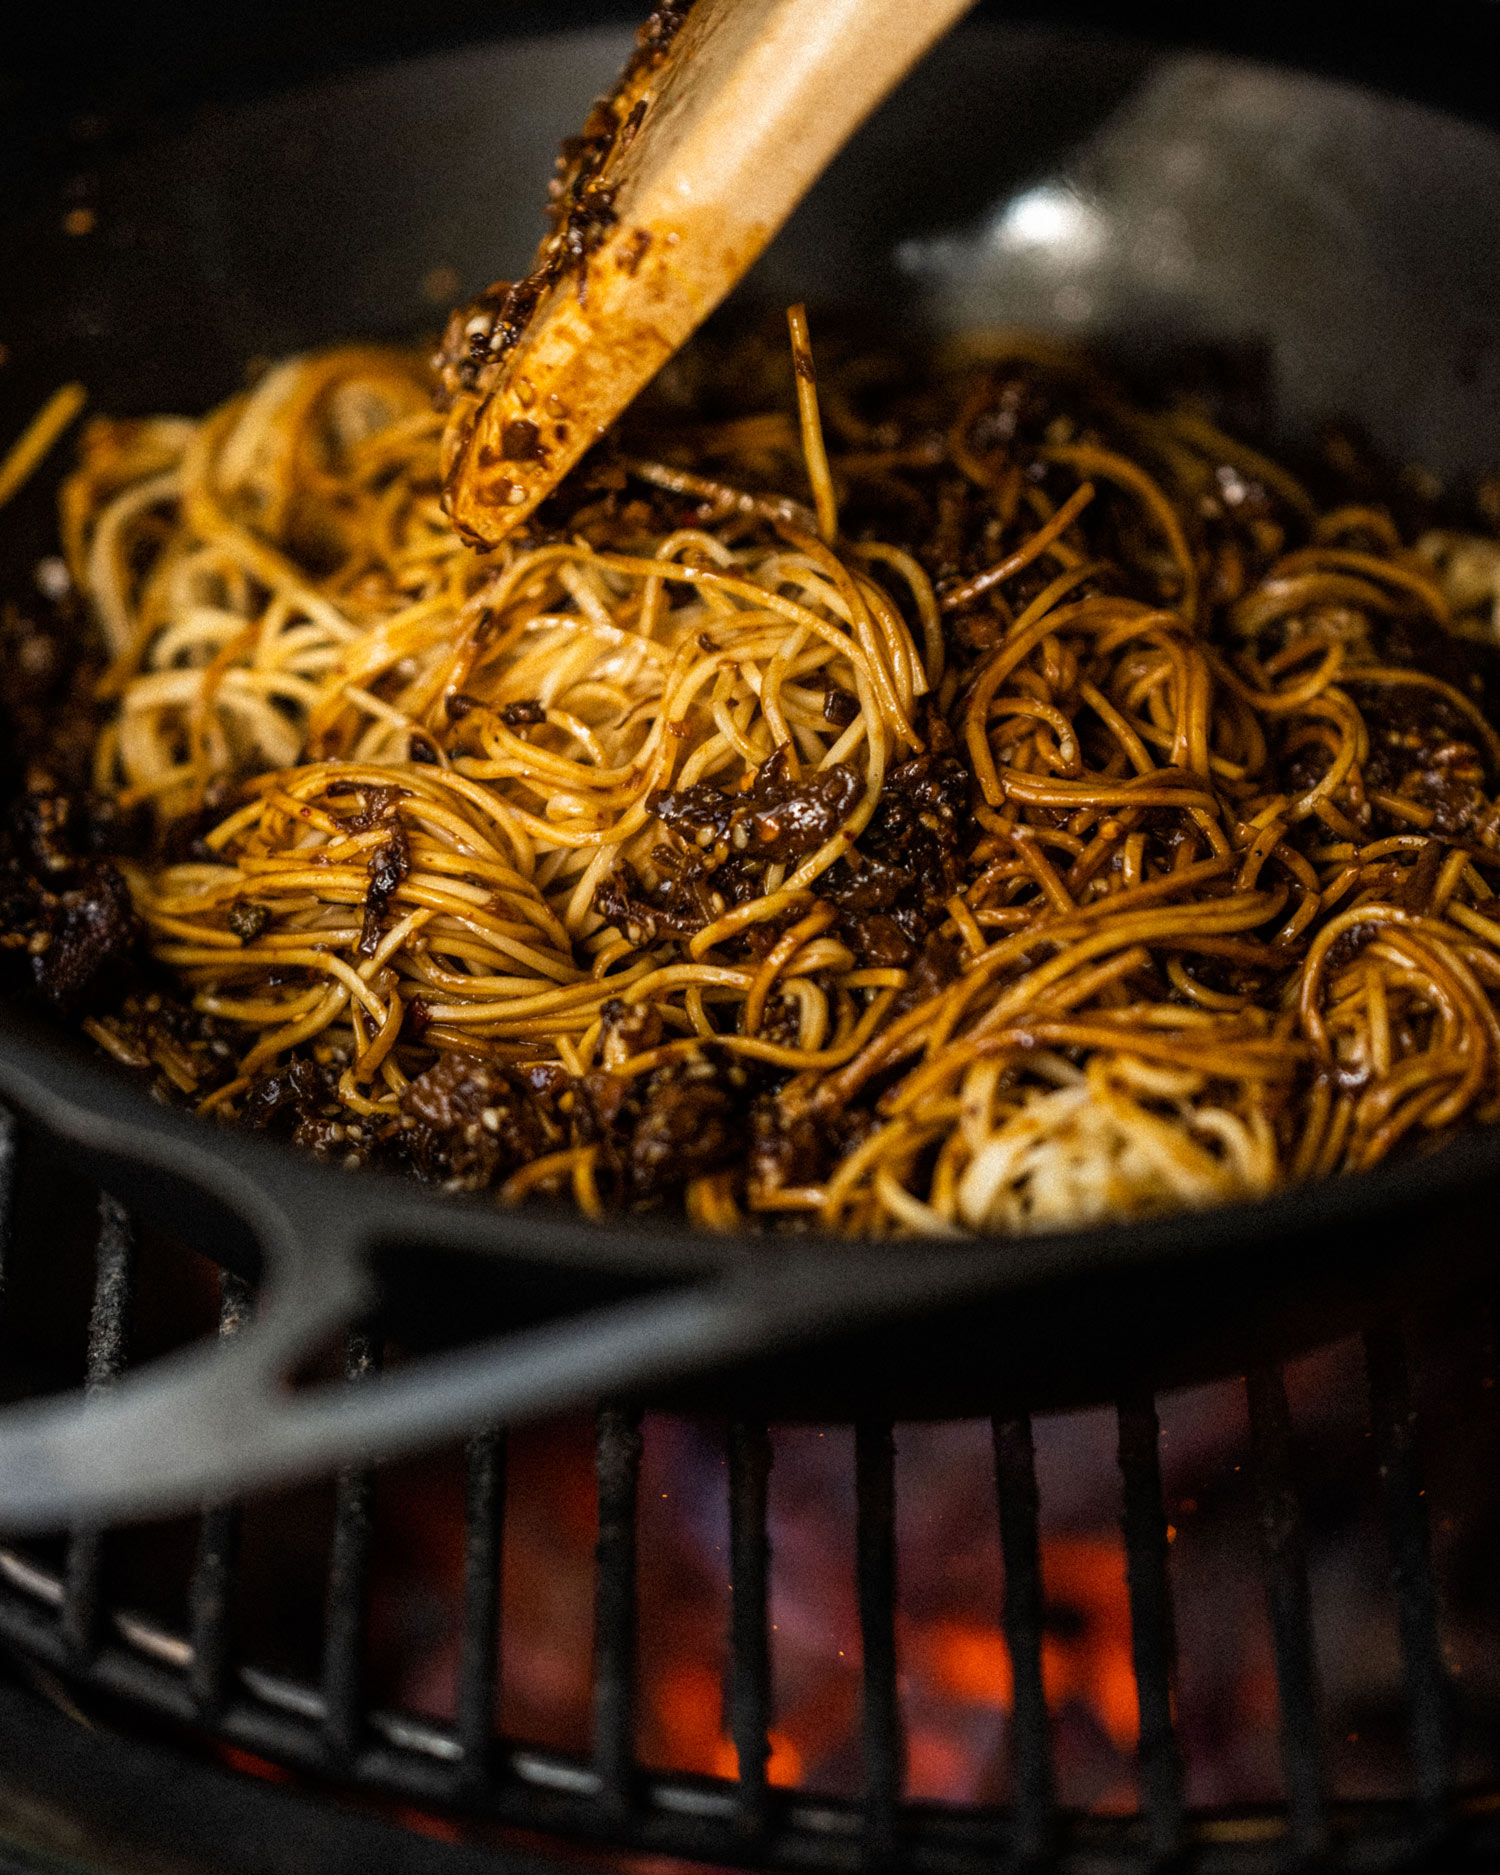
(146, 57)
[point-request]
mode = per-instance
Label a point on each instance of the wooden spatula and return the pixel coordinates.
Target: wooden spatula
(720, 124)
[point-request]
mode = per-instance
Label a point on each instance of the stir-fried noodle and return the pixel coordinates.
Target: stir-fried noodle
(979, 802)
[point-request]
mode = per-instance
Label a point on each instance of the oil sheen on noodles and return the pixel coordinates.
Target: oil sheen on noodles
(973, 801)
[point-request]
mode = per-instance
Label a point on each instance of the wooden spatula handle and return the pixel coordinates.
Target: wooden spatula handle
(752, 102)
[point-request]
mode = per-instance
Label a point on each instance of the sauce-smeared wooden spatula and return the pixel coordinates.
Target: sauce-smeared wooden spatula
(725, 116)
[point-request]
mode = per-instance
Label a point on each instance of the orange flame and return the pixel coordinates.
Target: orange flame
(689, 1700)
(1088, 1661)
(970, 1664)
(784, 1767)
(955, 1664)
(1086, 1575)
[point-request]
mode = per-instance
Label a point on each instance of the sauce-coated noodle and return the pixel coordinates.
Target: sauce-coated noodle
(1012, 807)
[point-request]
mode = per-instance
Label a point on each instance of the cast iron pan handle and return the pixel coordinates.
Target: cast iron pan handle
(222, 1418)
(219, 1419)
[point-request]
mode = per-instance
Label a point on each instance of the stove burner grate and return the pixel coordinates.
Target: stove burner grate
(61, 1619)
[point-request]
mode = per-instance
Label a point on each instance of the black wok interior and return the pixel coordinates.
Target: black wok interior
(1044, 172)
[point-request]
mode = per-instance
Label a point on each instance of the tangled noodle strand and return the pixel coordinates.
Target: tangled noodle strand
(1012, 807)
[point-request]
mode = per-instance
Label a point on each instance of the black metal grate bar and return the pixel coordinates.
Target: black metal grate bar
(63, 1622)
(617, 1464)
(420, 1762)
(875, 1557)
(749, 1639)
(1429, 1695)
(484, 1536)
(109, 1335)
(1153, 1641)
(1284, 1558)
(1020, 1545)
(347, 1607)
(210, 1595)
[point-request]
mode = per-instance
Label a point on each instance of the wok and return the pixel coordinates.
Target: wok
(1342, 241)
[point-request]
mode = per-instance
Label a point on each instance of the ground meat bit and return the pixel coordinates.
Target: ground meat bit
(388, 866)
(895, 887)
(877, 939)
(934, 970)
(528, 710)
(677, 907)
(627, 1029)
(657, 1132)
(922, 809)
(602, 1098)
(380, 806)
(777, 819)
(794, 1148)
(283, 1100)
(784, 1149)
(840, 707)
(544, 1077)
(86, 946)
(1306, 767)
(619, 899)
(782, 1021)
(661, 27)
(324, 1134)
(53, 828)
(1422, 747)
(248, 918)
(44, 832)
(495, 318)
(470, 1121)
(860, 885)
(690, 1123)
(66, 918)
(186, 1051)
